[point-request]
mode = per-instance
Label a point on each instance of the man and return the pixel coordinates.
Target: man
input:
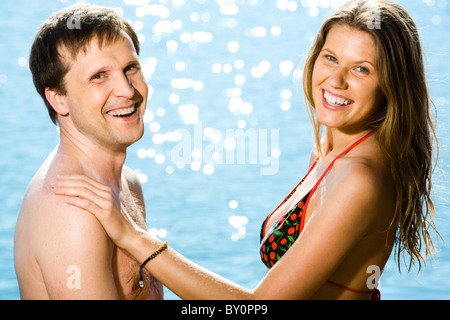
(85, 65)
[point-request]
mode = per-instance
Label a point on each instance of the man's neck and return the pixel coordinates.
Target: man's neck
(96, 161)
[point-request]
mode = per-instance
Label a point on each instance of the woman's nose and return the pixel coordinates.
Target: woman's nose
(338, 79)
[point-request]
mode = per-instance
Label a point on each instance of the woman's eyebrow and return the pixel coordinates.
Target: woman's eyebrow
(356, 62)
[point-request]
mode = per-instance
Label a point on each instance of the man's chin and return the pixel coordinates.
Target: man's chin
(135, 139)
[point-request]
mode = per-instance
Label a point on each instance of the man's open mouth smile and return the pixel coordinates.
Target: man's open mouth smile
(123, 112)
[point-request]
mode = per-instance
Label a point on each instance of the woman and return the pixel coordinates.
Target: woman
(368, 186)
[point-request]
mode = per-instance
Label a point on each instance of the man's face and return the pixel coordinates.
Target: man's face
(106, 94)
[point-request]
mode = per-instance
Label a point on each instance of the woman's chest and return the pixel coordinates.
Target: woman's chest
(297, 199)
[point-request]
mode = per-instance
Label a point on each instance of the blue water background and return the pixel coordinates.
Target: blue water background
(238, 55)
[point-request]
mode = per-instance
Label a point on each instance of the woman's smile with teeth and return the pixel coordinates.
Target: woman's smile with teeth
(336, 101)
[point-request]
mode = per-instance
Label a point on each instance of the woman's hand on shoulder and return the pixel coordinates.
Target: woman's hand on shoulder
(87, 194)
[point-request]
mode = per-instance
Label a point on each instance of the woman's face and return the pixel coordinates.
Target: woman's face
(345, 83)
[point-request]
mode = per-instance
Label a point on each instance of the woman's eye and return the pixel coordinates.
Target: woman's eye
(331, 58)
(362, 69)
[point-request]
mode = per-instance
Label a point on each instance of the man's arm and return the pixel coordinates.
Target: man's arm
(75, 254)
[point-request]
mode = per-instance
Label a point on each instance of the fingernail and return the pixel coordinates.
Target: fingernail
(53, 182)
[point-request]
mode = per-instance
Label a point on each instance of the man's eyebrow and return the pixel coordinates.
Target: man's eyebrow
(133, 62)
(91, 72)
(355, 62)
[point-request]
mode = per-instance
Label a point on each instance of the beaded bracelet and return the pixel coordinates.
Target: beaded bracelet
(152, 256)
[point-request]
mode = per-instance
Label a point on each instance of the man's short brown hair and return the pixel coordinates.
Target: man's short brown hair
(72, 29)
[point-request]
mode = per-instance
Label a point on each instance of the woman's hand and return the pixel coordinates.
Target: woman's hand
(178, 274)
(98, 199)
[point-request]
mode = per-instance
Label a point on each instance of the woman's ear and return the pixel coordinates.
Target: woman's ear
(57, 101)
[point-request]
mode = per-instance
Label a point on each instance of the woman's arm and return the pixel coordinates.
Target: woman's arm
(328, 237)
(190, 281)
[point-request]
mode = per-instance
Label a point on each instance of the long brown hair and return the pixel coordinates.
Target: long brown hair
(405, 130)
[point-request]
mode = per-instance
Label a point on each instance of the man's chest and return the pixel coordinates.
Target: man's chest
(125, 267)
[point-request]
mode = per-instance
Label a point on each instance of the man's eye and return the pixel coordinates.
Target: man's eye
(97, 76)
(132, 68)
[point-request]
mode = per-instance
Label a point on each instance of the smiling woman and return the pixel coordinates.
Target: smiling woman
(345, 79)
(405, 130)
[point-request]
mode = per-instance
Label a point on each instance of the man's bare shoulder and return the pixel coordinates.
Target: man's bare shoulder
(35, 203)
(134, 202)
(132, 179)
(64, 238)
(51, 236)
(40, 204)
(48, 218)
(133, 185)
(29, 232)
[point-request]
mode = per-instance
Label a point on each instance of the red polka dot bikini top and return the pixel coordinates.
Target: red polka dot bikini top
(285, 231)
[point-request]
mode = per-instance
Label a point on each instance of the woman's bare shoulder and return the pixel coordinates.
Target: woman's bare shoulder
(367, 184)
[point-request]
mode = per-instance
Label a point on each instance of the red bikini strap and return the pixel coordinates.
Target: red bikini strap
(326, 171)
(349, 289)
(290, 194)
(352, 146)
(343, 153)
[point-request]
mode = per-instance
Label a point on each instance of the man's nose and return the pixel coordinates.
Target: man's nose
(123, 87)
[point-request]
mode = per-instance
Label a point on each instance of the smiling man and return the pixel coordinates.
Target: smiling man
(85, 65)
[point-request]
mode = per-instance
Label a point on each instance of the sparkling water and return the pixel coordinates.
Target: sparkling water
(227, 133)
